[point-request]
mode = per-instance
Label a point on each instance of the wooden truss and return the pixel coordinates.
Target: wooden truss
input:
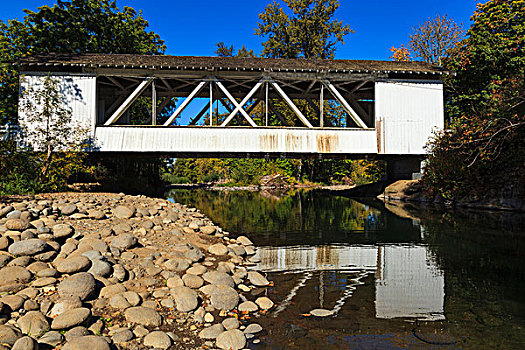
(235, 93)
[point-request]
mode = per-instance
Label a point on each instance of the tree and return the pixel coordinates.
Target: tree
(48, 125)
(483, 148)
(225, 51)
(310, 31)
(74, 26)
(400, 54)
(432, 40)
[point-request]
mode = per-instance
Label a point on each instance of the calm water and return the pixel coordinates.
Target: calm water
(393, 277)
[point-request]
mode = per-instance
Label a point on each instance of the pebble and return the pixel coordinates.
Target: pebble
(218, 249)
(192, 281)
(264, 303)
(121, 336)
(253, 328)
(144, 316)
(233, 339)
(157, 340)
(62, 231)
(185, 299)
(257, 279)
(321, 312)
(211, 332)
(248, 306)
(244, 240)
(52, 338)
(231, 323)
(123, 212)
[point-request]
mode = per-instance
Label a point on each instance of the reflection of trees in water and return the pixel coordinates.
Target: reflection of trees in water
(485, 275)
(245, 211)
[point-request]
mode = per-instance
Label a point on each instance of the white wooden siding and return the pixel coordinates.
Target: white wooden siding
(408, 114)
(78, 91)
(234, 140)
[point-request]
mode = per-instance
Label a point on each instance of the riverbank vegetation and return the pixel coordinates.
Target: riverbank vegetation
(480, 156)
(251, 171)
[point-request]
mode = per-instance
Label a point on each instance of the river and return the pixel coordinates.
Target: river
(392, 276)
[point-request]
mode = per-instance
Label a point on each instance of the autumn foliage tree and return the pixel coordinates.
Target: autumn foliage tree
(483, 149)
(400, 54)
(430, 41)
(73, 27)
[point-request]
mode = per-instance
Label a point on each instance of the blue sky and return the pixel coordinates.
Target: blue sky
(193, 28)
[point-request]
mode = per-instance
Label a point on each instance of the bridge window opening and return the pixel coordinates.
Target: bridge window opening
(233, 101)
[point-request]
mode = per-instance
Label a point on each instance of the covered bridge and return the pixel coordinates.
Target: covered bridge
(256, 107)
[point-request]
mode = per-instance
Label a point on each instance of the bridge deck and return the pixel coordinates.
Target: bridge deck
(235, 140)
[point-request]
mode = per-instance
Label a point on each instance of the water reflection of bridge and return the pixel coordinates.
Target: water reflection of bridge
(408, 282)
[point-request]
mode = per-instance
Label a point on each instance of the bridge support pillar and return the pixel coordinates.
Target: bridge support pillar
(403, 168)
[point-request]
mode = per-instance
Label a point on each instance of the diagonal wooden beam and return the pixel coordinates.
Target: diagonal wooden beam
(131, 98)
(344, 103)
(291, 104)
(238, 106)
(185, 103)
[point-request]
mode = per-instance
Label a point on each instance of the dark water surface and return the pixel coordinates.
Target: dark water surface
(394, 277)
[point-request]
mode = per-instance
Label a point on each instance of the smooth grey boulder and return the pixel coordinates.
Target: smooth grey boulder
(14, 274)
(91, 342)
(72, 264)
(123, 212)
(28, 247)
(219, 278)
(224, 298)
(143, 316)
(8, 335)
(177, 264)
(231, 323)
(68, 209)
(100, 268)
(25, 343)
(80, 285)
(62, 231)
(185, 298)
(33, 323)
(264, 303)
(52, 338)
(71, 318)
(218, 249)
(17, 224)
(124, 241)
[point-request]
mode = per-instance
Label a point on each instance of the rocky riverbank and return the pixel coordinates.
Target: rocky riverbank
(110, 271)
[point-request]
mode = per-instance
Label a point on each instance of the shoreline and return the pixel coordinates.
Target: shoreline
(130, 272)
(410, 191)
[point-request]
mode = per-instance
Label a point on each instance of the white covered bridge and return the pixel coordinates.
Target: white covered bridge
(253, 107)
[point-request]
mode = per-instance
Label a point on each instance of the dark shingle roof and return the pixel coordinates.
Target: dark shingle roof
(227, 63)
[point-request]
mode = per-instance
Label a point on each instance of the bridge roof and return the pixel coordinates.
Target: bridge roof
(199, 63)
